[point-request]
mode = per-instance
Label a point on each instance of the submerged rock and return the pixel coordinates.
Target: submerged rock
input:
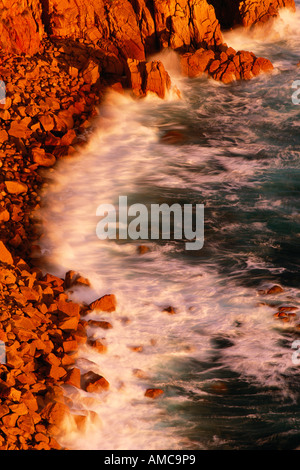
(153, 393)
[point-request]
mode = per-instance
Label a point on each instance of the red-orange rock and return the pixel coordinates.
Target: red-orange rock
(73, 378)
(157, 80)
(275, 290)
(100, 324)
(153, 392)
(98, 346)
(148, 77)
(195, 64)
(93, 383)
(21, 26)
(107, 303)
(54, 413)
(5, 255)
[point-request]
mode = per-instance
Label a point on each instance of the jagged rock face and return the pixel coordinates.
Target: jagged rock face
(247, 13)
(136, 26)
(148, 77)
(184, 23)
(21, 27)
(96, 20)
(120, 30)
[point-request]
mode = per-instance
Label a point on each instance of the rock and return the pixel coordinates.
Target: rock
(21, 26)
(73, 378)
(98, 346)
(107, 303)
(173, 137)
(171, 310)
(91, 73)
(142, 249)
(287, 308)
(69, 324)
(195, 64)
(153, 393)
(70, 309)
(7, 277)
(19, 130)
(274, 290)
(4, 215)
(157, 80)
(148, 77)
(5, 255)
(55, 413)
(190, 22)
(73, 279)
(47, 122)
(16, 187)
(137, 349)
(70, 346)
(100, 324)
(93, 383)
(42, 158)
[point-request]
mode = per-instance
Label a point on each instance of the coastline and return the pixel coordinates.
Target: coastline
(55, 104)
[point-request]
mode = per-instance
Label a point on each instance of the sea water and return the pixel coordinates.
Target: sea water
(224, 362)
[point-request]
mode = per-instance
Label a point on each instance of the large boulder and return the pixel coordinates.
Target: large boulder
(148, 77)
(186, 23)
(21, 27)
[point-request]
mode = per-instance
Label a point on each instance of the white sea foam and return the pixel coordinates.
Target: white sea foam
(125, 156)
(119, 157)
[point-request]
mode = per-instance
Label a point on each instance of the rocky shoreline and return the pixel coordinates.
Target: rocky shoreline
(57, 64)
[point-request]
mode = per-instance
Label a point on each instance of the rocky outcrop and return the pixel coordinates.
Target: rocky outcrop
(21, 27)
(119, 35)
(247, 13)
(148, 77)
(226, 66)
(186, 23)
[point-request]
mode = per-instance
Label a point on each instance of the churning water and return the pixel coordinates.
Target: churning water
(223, 360)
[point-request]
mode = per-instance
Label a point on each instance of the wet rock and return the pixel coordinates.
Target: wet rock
(153, 393)
(148, 77)
(274, 290)
(142, 249)
(97, 346)
(173, 137)
(170, 310)
(100, 324)
(73, 279)
(107, 303)
(94, 383)
(195, 64)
